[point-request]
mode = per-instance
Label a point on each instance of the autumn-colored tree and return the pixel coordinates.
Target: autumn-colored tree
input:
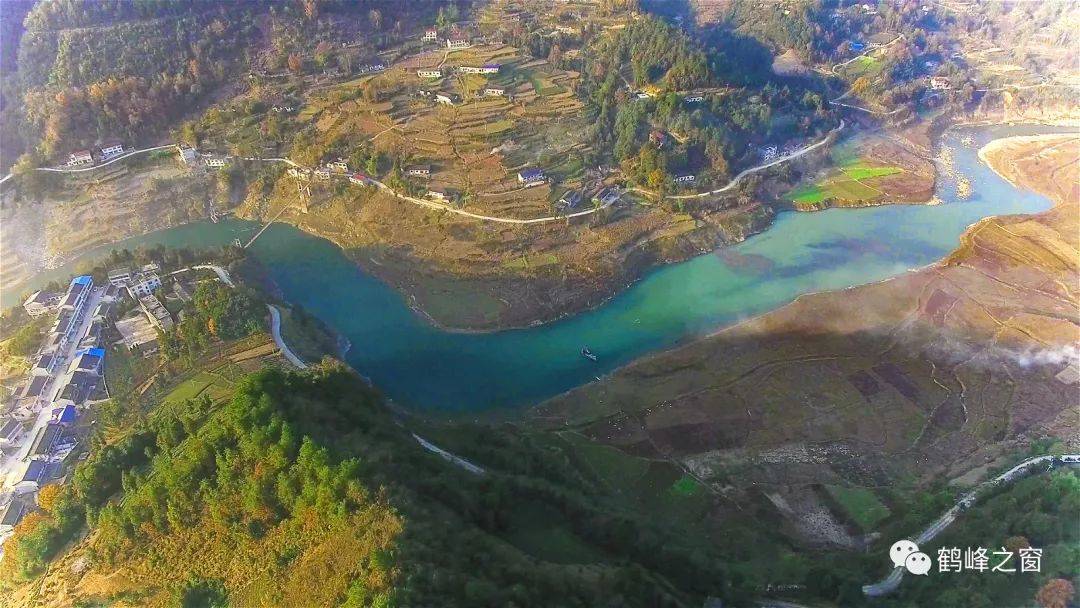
(46, 497)
(1056, 593)
(295, 63)
(211, 326)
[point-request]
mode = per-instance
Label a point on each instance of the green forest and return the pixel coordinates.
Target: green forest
(304, 483)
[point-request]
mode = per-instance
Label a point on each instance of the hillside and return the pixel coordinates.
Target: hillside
(930, 375)
(302, 489)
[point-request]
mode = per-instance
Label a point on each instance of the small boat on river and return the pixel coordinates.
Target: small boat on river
(588, 354)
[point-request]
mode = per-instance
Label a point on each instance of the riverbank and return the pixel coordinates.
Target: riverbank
(927, 373)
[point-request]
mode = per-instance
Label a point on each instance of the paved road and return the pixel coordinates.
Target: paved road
(93, 167)
(1030, 466)
(734, 182)
(275, 329)
(457, 460)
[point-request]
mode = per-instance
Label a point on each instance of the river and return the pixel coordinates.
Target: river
(426, 368)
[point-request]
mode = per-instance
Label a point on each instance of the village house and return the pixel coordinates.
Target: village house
(658, 138)
(64, 416)
(39, 303)
(112, 148)
(144, 284)
(494, 92)
(302, 174)
(438, 195)
(322, 174)
(155, 312)
(768, 153)
(44, 365)
(358, 178)
(607, 196)
(338, 165)
(531, 177)
(77, 292)
(13, 512)
(569, 199)
(430, 35)
(447, 98)
(283, 109)
(119, 276)
(187, 154)
(488, 68)
(372, 68)
(44, 440)
(939, 83)
(430, 73)
(418, 171)
(457, 43)
(684, 179)
(694, 98)
(217, 162)
(80, 157)
(89, 361)
(137, 334)
(10, 432)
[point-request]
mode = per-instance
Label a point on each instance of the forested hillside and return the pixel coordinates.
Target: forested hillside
(676, 129)
(303, 490)
(94, 71)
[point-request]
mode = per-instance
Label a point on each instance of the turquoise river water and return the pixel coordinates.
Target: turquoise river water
(421, 366)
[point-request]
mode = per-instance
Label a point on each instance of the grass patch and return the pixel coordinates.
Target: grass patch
(860, 505)
(545, 534)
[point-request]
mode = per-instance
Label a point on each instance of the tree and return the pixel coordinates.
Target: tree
(1056, 593)
(295, 63)
(46, 497)
(375, 18)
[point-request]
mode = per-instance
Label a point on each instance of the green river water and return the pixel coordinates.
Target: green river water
(430, 369)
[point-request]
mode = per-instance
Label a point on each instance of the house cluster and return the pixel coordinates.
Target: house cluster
(139, 333)
(106, 151)
(768, 153)
(38, 426)
(456, 39)
(572, 198)
(371, 68)
(940, 83)
(330, 169)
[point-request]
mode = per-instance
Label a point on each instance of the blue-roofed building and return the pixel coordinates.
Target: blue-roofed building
(857, 45)
(77, 292)
(531, 176)
(65, 416)
(89, 360)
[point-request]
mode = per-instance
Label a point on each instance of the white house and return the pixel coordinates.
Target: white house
(458, 43)
(358, 178)
(430, 35)
(437, 195)
(939, 83)
(322, 174)
(494, 92)
(339, 166)
(429, 73)
(144, 284)
(684, 179)
(694, 98)
(488, 68)
(111, 149)
(119, 276)
(80, 157)
(446, 98)
(39, 303)
(217, 162)
(419, 171)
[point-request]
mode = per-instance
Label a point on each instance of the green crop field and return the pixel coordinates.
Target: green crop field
(860, 505)
(851, 182)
